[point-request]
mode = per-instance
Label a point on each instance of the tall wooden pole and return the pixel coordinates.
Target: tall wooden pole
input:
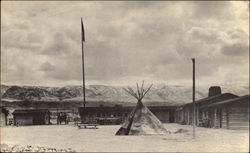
(83, 73)
(83, 76)
(193, 60)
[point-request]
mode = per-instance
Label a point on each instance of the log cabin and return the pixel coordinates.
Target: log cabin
(218, 110)
(118, 113)
(231, 114)
(31, 117)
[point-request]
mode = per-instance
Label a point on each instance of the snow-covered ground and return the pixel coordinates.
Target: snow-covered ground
(103, 139)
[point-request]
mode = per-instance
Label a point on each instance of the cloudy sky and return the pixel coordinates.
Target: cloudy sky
(125, 42)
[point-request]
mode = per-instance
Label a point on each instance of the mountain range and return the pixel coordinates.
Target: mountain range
(101, 93)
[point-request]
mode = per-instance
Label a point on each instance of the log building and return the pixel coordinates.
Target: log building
(217, 111)
(31, 117)
(118, 113)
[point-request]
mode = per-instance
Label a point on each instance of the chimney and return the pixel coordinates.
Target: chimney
(214, 91)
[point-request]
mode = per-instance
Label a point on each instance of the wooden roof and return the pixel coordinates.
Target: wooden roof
(29, 111)
(123, 108)
(214, 99)
(238, 99)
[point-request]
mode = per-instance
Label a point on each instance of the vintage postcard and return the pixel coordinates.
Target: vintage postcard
(124, 76)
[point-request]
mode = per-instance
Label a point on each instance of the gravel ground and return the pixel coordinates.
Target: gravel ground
(103, 139)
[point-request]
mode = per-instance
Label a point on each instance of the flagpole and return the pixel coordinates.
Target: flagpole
(83, 70)
(193, 60)
(83, 76)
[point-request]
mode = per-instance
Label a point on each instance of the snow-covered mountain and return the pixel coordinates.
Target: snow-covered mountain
(159, 93)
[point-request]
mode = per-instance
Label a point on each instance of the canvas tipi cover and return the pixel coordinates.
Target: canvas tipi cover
(142, 121)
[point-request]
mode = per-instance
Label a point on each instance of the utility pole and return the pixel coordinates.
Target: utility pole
(193, 60)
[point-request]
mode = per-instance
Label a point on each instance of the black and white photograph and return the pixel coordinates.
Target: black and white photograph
(124, 76)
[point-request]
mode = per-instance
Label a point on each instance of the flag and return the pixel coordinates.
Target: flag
(83, 35)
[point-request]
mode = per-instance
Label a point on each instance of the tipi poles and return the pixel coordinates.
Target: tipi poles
(131, 118)
(143, 94)
(131, 92)
(193, 60)
(139, 96)
(142, 90)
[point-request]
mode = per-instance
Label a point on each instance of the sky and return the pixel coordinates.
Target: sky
(126, 42)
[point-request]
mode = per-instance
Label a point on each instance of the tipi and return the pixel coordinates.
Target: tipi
(141, 120)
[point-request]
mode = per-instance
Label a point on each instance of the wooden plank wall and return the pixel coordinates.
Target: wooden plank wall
(217, 117)
(238, 116)
(23, 120)
(224, 118)
(162, 116)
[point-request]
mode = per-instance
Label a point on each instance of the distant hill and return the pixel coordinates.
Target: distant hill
(112, 94)
(3, 89)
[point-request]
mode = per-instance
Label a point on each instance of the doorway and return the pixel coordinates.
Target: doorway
(171, 117)
(219, 117)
